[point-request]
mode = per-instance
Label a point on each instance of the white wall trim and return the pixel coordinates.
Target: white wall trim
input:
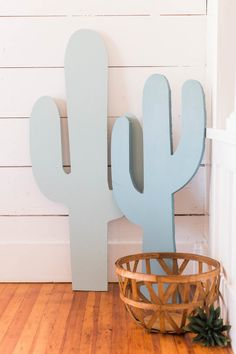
(50, 261)
(222, 135)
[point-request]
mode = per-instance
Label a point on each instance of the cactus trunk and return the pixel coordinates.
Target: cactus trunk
(88, 255)
(160, 218)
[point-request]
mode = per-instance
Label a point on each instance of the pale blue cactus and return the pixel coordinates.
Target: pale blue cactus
(164, 172)
(84, 190)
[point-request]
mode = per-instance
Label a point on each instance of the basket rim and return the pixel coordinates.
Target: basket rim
(173, 278)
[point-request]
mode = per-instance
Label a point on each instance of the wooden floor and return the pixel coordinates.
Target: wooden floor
(50, 318)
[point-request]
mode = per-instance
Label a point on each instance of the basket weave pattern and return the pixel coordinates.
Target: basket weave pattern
(163, 302)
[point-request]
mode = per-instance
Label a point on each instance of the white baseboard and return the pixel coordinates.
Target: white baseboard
(50, 262)
(36, 249)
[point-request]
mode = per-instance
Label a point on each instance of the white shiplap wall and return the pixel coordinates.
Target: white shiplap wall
(222, 243)
(143, 37)
(222, 187)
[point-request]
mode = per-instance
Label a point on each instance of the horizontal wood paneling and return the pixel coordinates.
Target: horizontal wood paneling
(20, 88)
(34, 246)
(190, 199)
(75, 7)
(181, 7)
(34, 229)
(55, 230)
(14, 141)
(43, 243)
(189, 229)
(35, 262)
(23, 195)
(20, 195)
(172, 41)
(44, 262)
(100, 7)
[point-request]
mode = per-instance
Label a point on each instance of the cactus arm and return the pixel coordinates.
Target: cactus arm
(157, 132)
(188, 156)
(45, 149)
(128, 198)
(136, 152)
(86, 79)
(136, 162)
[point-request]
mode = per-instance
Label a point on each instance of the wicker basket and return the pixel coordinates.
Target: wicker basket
(161, 303)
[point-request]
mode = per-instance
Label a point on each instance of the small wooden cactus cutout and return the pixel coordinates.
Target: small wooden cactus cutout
(84, 190)
(164, 172)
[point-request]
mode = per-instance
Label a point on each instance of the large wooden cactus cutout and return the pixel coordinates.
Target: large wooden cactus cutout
(165, 172)
(84, 190)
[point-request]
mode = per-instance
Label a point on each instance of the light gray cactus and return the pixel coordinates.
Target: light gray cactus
(85, 189)
(165, 172)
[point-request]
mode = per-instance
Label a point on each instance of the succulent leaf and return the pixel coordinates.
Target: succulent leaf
(218, 323)
(217, 313)
(201, 314)
(226, 328)
(198, 338)
(209, 328)
(198, 321)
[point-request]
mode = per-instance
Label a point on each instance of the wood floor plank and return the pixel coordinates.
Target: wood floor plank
(13, 332)
(104, 337)
(6, 296)
(167, 343)
(11, 309)
(2, 287)
(72, 336)
(156, 343)
(120, 343)
(182, 345)
(39, 345)
(148, 343)
(139, 341)
(29, 331)
(56, 338)
(52, 319)
(90, 324)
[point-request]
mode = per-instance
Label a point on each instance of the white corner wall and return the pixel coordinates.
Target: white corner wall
(142, 37)
(222, 188)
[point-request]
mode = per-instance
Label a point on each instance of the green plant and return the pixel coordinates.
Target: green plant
(209, 327)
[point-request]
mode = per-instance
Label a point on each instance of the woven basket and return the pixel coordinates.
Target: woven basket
(161, 303)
